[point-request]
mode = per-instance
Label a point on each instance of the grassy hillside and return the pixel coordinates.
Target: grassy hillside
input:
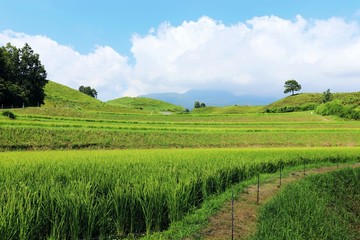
(58, 95)
(61, 100)
(309, 101)
(297, 100)
(145, 104)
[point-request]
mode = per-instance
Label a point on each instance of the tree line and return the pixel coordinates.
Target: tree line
(22, 77)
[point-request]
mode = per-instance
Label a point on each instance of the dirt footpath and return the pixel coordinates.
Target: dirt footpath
(246, 208)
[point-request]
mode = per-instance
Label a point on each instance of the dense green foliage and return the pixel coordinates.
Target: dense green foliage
(89, 194)
(318, 207)
(22, 77)
(9, 114)
(197, 104)
(327, 96)
(337, 108)
(291, 86)
(88, 91)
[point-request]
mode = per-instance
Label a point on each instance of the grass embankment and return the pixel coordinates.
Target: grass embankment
(317, 207)
(90, 194)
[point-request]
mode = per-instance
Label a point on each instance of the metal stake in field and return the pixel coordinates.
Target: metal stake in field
(280, 175)
(258, 188)
(232, 214)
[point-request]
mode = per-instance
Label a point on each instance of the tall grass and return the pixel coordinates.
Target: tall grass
(95, 194)
(318, 207)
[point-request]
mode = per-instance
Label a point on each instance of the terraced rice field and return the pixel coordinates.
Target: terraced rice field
(96, 194)
(122, 131)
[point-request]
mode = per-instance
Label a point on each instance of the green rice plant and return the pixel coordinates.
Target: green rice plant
(98, 194)
(318, 207)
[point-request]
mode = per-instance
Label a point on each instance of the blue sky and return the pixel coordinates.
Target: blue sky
(133, 47)
(83, 24)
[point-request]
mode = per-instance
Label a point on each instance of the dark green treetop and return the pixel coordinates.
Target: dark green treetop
(292, 86)
(89, 91)
(22, 76)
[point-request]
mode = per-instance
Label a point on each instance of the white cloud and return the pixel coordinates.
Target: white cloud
(255, 57)
(103, 69)
(252, 57)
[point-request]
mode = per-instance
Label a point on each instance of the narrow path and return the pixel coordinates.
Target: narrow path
(246, 208)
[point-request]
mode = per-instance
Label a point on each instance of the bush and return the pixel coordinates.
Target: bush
(9, 114)
(338, 109)
(304, 107)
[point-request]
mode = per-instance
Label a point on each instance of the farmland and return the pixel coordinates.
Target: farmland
(326, 207)
(78, 168)
(101, 130)
(87, 194)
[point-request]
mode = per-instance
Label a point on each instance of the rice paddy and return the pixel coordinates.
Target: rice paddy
(97, 194)
(110, 175)
(317, 207)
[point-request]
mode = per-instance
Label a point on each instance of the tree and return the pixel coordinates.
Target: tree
(197, 104)
(327, 96)
(89, 91)
(292, 86)
(202, 105)
(22, 77)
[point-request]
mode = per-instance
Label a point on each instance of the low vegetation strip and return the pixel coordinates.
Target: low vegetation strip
(317, 207)
(96, 194)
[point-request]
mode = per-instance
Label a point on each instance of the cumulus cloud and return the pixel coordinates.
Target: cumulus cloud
(253, 57)
(103, 69)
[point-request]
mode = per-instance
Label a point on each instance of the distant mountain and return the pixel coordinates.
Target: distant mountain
(210, 98)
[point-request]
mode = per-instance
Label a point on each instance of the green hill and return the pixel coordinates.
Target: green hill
(58, 95)
(142, 103)
(297, 100)
(61, 100)
(309, 101)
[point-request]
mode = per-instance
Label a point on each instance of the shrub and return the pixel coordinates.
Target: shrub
(338, 109)
(9, 114)
(304, 107)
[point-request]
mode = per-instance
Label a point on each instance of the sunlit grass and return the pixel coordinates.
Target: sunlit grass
(86, 194)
